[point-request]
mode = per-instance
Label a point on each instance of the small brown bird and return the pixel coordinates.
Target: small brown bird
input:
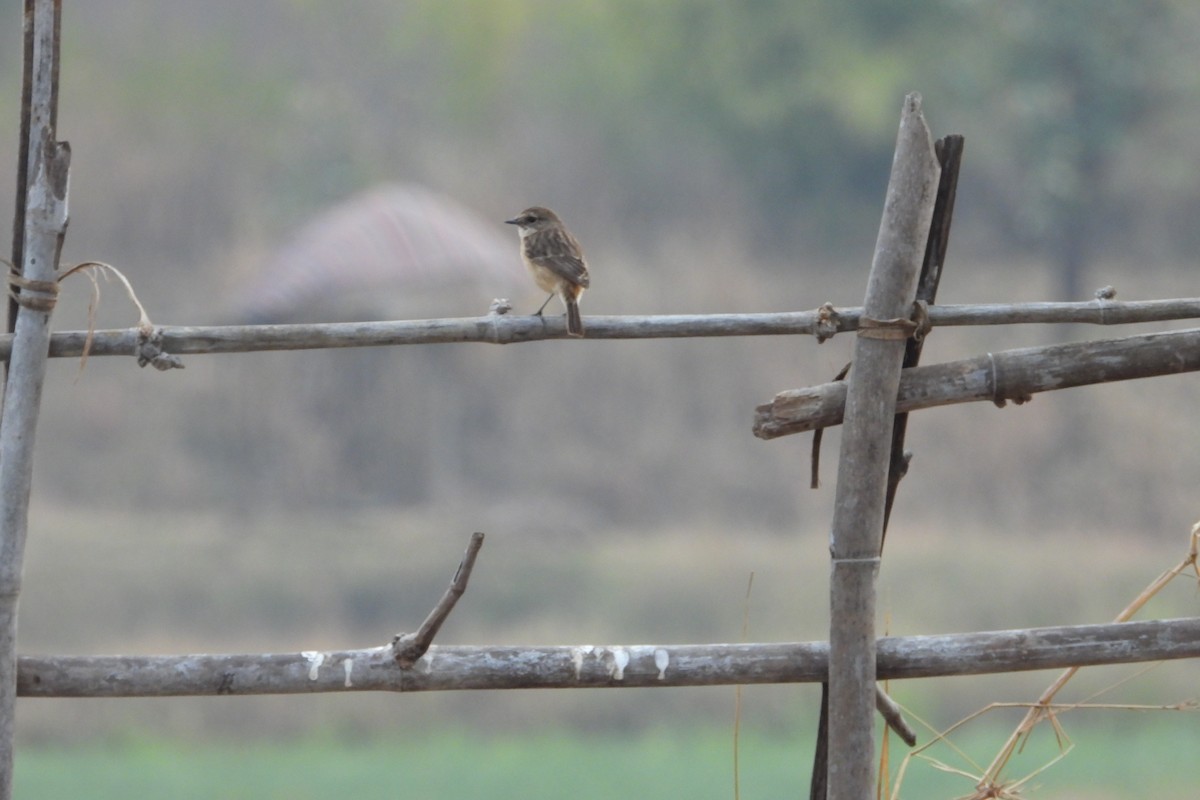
(555, 259)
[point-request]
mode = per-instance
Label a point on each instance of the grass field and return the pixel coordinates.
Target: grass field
(1107, 762)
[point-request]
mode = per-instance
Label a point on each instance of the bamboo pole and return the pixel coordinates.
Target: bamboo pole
(468, 668)
(18, 227)
(949, 152)
(1014, 375)
(45, 218)
(863, 464)
(514, 329)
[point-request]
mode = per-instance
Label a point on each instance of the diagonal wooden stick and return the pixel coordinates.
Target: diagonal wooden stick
(407, 648)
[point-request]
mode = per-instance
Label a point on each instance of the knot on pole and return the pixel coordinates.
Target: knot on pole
(898, 329)
(33, 295)
(826, 323)
(149, 350)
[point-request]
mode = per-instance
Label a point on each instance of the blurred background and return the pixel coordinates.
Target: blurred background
(301, 161)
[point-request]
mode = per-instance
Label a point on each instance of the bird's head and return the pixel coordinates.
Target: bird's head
(534, 219)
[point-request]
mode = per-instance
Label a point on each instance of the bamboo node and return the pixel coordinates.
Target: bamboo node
(999, 396)
(872, 562)
(1103, 294)
(994, 380)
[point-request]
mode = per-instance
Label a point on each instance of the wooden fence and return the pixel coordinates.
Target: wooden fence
(884, 385)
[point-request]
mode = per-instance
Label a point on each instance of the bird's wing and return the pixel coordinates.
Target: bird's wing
(559, 252)
(565, 266)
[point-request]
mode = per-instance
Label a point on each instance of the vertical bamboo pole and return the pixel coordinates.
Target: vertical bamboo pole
(949, 151)
(863, 463)
(45, 222)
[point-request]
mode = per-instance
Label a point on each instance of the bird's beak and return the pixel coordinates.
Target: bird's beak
(512, 221)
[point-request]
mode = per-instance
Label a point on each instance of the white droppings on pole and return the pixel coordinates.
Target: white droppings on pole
(620, 660)
(315, 660)
(662, 659)
(577, 656)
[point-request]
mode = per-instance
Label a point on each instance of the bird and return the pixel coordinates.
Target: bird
(554, 259)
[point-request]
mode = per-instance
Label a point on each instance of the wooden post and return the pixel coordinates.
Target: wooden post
(45, 222)
(949, 152)
(863, 464)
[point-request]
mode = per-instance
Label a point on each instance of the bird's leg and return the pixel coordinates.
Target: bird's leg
(538, 313)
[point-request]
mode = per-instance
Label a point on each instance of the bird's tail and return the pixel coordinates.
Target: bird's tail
(574, 320)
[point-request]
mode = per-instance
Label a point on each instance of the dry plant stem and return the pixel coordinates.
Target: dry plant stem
(514, 329)
(983, 783)
(862, 474)
(90, 268)
(1042, 709)
(996, 377)
(45, 223)
(407, 648)
(464, 668)
(737, 693)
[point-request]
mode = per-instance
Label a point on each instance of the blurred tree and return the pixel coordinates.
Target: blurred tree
(783, 109)
(783, 96)
(702, 137)
(1065, 88)
(795, 101)
(475, 42)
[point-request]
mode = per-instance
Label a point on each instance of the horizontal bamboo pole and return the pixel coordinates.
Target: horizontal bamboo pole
(1006, 375)
(448, 668)
(511, 329)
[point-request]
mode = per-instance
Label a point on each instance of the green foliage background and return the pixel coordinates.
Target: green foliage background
(776, 117)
